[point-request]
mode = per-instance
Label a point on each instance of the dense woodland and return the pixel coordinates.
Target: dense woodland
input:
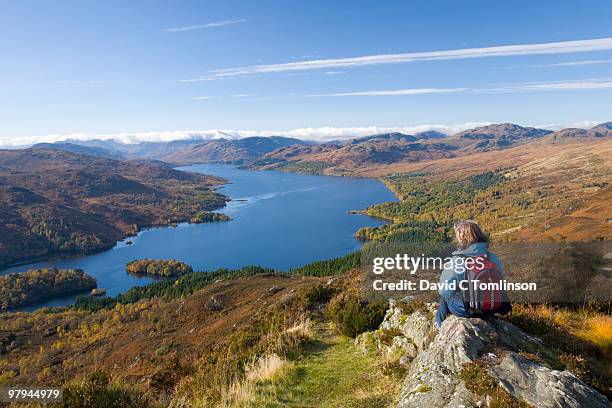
(158, 267)
(20, 289)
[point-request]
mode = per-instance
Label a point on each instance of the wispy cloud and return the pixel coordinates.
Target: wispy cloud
(583, 124)
(334, 72)
(564, 86)
(202, 26)
(525, 87)
(575, 63)
(317, 134)
(563, 47)
(394, 92)
(204, 97)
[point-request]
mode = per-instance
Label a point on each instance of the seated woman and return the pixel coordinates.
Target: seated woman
(472, 241)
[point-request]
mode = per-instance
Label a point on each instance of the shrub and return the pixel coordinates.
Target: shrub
(598, 331)
(96, 391)
(316, 295)
(386, 336)
(354, 316)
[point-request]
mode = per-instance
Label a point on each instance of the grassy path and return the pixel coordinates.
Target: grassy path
(333, 373)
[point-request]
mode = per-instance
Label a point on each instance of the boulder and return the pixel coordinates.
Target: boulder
(542, 387)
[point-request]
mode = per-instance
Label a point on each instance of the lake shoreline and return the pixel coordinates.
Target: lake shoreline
(279, 220)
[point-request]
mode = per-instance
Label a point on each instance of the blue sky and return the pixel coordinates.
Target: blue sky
(142, 68)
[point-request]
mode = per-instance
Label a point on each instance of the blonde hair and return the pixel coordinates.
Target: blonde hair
(468, 232)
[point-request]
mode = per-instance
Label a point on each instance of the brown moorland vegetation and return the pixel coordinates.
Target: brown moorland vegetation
(143, 343)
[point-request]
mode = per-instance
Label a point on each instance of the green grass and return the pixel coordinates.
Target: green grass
(333, 374)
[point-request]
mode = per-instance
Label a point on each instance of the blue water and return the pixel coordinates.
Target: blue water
(279, 220)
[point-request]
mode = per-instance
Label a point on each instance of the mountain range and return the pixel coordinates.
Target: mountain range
(337, 157)
(391, 148)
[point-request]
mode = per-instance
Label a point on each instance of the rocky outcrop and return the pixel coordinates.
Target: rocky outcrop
(436, 363)
(404, 332)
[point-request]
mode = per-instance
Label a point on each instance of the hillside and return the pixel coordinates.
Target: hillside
(358, 156)
(499, 136)
(542, 191)
(80, 149)
(153, 343)
(257, 338)
(56, 203)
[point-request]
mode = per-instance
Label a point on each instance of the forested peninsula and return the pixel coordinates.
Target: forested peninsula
(20, 289)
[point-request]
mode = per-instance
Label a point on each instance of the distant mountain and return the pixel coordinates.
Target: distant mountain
(601, 130)
(498, 136)
(238, 151)
(76, 148)
(144, 150)
(235, 151)
(337, 157)
(430, 134)
(570, 133)
(395, 136)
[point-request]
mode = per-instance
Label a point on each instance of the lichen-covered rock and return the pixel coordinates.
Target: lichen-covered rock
(402, 334)
(436, 360)
(417, 325)
(542, 387)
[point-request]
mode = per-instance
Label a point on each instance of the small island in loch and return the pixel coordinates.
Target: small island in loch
(21, 289)
(158, 267)
(208, 216)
